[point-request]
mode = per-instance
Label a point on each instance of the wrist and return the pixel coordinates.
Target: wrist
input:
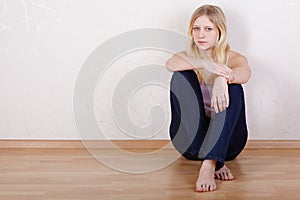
(220, 80)
(219, 77)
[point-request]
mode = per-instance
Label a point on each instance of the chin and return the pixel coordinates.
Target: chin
(202, 48)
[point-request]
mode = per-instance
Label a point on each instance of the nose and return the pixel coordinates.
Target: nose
(201, 33)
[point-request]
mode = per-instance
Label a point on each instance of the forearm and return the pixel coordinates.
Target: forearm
(180, 63)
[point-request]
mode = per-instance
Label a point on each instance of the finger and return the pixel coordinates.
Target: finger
(225, 75)
(220, 104)
(224, 102)
(231, 78)
(227, 99)
(215, 105)
(228, 69)
(219, 69)
(212, 102)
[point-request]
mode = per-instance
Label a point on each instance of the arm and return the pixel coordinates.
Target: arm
(241, 73)
(181, 61)
(240, 67)
(220, 95)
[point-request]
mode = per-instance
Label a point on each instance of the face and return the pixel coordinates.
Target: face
(205, 34)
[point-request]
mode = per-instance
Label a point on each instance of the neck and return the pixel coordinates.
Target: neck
(209, 52)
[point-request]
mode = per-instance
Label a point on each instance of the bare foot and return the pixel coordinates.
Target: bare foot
(224, 174)
(206, 181)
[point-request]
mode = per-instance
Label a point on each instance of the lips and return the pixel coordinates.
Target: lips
(202, 42)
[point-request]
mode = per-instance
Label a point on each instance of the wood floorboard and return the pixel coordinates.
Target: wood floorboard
(74, 174)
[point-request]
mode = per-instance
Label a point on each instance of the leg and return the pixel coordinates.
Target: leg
(236, 145)
(239, 137)
(222, 141)
(205, 181)
(222, 127)
(189, 123)
(186, 104)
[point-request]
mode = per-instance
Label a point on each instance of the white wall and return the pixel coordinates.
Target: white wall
(43, 45)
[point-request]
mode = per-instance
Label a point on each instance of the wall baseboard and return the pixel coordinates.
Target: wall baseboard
(130, 144)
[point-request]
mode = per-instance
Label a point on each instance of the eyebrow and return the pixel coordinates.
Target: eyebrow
(204, 26)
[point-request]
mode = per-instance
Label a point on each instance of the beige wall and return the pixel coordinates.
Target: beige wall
(43, 45)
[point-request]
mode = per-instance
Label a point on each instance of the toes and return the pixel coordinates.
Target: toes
(222, 176)
(228, 176)
(218, 175)
(225, 176)
(213, 187)
(199, 188)
(206, 188)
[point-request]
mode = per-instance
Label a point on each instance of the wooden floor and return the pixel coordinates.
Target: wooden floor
(65, 174)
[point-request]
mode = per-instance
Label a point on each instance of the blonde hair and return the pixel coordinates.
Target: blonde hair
(217, 17)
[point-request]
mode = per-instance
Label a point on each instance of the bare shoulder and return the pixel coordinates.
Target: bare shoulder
(181, 53)
(236, 59)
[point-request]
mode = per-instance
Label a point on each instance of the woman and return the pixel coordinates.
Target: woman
(211, 128)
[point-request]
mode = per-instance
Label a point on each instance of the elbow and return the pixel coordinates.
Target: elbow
(246, 77)
(169, 66)
(249, 74)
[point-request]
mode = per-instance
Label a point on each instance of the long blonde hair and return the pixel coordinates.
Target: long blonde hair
(217, 17)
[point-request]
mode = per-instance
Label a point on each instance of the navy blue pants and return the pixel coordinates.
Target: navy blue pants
(197, 137)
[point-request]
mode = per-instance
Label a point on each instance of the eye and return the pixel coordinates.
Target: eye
(196, 28)
(209, 28)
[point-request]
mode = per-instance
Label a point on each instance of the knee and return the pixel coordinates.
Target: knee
(187, 74)
(182, 77)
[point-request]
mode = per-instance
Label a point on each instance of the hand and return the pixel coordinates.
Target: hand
(221, 70)
(217, 69)
(231, 78)
(220, 96)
